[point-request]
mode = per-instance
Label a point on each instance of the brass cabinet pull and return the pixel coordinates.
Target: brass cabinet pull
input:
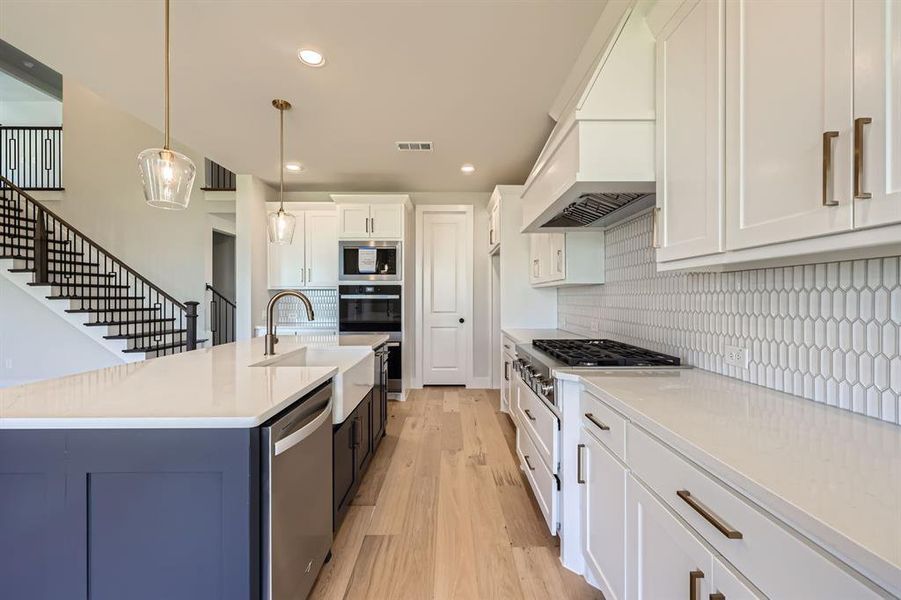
(656, 234)
(709, 516)
(828, 136)
(858, 158)
(580, 478)
(717, 596)
(528, 414)
(693, 578)
(528, 463)
(598, 424)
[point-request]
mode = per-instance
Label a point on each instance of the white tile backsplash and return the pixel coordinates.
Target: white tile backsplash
(827, 332)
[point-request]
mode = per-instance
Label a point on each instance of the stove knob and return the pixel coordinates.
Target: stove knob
(547, 388)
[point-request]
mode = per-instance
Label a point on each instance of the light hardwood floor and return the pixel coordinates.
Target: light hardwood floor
(445, 512)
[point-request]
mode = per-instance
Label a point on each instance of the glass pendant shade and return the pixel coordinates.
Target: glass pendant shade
(167, 177)
(281, 227)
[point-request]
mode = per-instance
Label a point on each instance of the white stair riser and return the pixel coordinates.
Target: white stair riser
(148, 328)
(119, 315)
(106, 305)
(162, 340)
(163, 353)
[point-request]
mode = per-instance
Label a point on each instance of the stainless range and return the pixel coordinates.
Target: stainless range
(537, 361)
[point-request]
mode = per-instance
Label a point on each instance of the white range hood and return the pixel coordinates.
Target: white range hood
(597, 167)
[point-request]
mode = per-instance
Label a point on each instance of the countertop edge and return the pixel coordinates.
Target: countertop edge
(859, 557)
(187, 422)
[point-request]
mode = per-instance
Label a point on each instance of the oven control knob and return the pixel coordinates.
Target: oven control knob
(547, 387)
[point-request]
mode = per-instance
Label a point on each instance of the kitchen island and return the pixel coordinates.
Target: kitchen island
(149, 480)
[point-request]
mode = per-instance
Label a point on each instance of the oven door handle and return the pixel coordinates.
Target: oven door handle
(285, 444)
(370, 297)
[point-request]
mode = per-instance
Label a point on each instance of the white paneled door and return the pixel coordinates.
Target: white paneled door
(789, 83)
(444, 239)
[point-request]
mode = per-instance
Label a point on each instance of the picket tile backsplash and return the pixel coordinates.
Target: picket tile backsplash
(828, 332)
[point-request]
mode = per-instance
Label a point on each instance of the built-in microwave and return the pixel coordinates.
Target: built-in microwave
(369, 261)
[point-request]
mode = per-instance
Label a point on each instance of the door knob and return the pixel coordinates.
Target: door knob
(462, 320)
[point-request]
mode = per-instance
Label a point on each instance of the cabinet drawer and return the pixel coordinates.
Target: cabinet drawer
(777, 561)
(541, 480)
(605, 423)
(535, 417)
(509, 346)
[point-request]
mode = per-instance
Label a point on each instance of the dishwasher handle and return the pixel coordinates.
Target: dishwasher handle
(286, 443)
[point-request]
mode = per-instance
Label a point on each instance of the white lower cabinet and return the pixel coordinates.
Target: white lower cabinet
(652, 525)
(603, 479)
(666, 561)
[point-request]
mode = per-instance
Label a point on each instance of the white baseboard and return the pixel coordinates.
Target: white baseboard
(480, 383)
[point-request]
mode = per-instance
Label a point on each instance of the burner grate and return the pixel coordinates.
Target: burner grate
(603, 353)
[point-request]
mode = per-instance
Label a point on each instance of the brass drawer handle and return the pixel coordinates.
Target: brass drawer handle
(693, 578)
(528, 462)
(709, 515)
(828, 136)
(858, 158)
(580, 478)
(528, 414)
(598, 424)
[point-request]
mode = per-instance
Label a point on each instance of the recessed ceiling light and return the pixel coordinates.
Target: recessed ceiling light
(468, 168)
(295, 167)
(310, 57)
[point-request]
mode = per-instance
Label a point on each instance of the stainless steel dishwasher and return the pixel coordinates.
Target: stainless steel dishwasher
(297, 497)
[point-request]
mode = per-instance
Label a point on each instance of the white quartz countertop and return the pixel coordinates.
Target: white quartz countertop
(832, 474)
(210, 387)
(525, 336)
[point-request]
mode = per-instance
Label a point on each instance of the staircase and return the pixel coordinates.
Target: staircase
(88, 286)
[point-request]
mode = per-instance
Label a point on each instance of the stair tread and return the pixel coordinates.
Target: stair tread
(104, 298)
(129, 336)
(112, 310)
(109, 286)
(146, 349)
(132, 322)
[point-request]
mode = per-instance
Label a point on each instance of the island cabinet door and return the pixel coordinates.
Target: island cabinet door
(363, 414)
(344, 467)
(141, 514)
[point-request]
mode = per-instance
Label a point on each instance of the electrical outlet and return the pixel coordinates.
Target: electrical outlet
(737, 357)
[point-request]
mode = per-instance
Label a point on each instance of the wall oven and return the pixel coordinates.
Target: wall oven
(369, 261)
(375, 309)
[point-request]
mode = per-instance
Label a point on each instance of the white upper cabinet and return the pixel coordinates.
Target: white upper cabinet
(789, 87)
(311, 259)
(321, 249)
(287, 268)
(559, 259)
(371, 216)
(877, 112)
(353, 221)
(690, 107)
(386, 221)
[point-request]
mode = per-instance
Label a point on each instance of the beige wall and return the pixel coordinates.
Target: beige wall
(103, 196)
(251, 246)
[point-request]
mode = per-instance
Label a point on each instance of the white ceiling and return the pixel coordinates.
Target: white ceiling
(476, 78)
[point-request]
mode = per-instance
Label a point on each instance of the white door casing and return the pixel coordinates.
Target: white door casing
(444, 275)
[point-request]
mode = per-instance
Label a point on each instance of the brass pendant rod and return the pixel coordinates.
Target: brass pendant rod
(281, 159)
(166, 77)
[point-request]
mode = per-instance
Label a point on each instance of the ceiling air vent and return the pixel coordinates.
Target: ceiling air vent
(414, 146)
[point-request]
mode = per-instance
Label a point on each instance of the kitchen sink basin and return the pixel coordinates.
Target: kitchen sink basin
(355, 377)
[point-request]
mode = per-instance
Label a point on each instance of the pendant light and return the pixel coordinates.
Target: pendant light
(281, 223)
(166, 175)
